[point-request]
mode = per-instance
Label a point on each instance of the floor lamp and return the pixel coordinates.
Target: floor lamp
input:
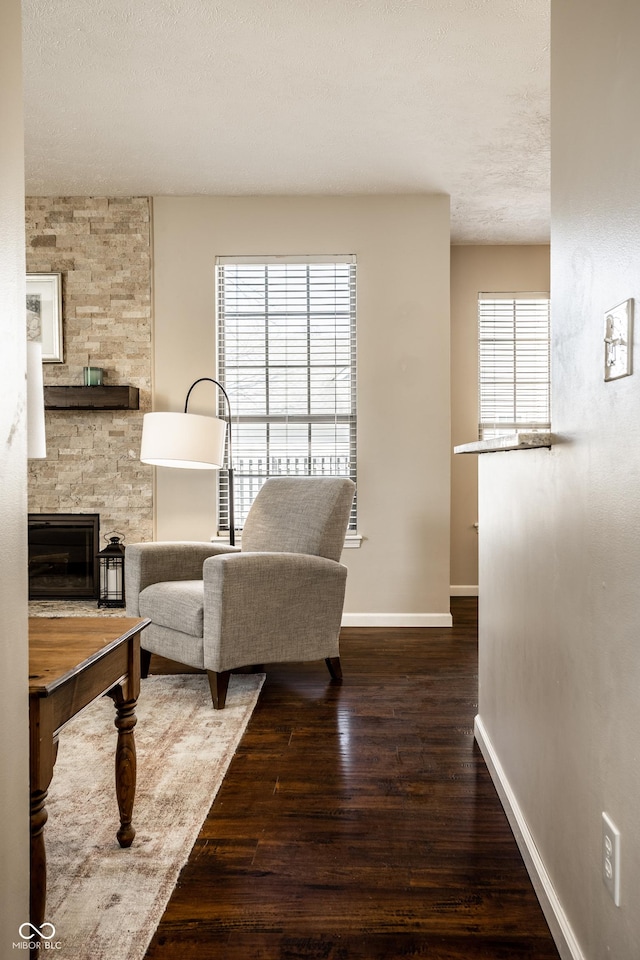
(190, 441)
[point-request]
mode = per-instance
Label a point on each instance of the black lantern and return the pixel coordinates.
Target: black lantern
(111, 561)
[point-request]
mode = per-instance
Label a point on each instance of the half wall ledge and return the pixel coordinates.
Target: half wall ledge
(510, 441)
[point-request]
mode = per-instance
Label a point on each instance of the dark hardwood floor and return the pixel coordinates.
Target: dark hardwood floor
(359, 822)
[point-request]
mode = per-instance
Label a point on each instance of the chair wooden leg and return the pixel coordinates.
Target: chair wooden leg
(218, 683)
(145, 663)
(335, 668)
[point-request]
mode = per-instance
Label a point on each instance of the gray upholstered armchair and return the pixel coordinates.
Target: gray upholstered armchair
(278, 598)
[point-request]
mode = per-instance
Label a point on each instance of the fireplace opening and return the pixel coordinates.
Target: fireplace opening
(62, 556)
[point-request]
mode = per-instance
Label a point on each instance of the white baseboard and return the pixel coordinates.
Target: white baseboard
(561, 931)
(460, 590)
(397, 620)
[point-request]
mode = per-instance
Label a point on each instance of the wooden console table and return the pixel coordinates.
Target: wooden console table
(72, 662)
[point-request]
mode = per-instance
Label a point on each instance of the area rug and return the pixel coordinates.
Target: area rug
(72, 608)
(104, 902)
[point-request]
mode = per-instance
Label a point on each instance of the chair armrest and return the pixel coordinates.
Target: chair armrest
(271, 607)
(147, 563)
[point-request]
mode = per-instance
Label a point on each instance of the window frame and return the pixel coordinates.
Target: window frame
(227, 371)
(514, 366)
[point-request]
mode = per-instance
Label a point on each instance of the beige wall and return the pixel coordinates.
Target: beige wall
(401, 572)
(559, 549)
(14, 742)
(475, 269)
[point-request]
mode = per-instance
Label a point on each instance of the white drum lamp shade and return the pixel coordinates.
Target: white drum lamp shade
(185, 440)
(36, 439)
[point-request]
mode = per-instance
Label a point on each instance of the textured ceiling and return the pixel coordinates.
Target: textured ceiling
(296, 97)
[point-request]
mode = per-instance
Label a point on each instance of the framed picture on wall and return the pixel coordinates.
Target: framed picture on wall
(44, 314)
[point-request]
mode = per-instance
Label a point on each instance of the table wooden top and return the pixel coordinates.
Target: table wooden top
(60, 647)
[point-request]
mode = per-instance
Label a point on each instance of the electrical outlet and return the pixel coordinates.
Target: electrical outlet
(611, 858)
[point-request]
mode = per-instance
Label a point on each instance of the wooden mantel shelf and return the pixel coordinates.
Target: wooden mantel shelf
(116, 397)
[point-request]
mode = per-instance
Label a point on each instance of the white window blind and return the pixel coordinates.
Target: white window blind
(287, 359)
(514, 362)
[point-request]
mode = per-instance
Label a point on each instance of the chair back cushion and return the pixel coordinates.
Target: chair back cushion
(300, 515)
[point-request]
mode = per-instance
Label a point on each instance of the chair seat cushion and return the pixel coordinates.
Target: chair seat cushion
(176, 604)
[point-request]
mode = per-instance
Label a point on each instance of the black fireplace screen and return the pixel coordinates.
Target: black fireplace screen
(62, 556)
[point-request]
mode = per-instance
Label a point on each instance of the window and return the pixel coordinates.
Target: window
(514, 362)
(287, 359)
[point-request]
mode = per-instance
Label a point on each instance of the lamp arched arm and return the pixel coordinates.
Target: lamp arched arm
(229, 447)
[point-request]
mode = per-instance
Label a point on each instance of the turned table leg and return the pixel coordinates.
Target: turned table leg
(125, 763)
(43, 751)
(38, 857)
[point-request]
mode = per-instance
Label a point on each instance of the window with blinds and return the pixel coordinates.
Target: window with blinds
(514, 362)
(287, 359)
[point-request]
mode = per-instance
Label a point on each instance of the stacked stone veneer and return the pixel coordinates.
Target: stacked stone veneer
(102, 248)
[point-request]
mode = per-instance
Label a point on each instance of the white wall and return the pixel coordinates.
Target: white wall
(401, 572)
(475, 269)
(14, 742)
(560, 550)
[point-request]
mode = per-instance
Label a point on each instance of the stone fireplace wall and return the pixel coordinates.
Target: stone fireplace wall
(102, 248)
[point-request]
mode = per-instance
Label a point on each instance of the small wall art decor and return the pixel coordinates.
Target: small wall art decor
(44, 314)
(617, 340)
